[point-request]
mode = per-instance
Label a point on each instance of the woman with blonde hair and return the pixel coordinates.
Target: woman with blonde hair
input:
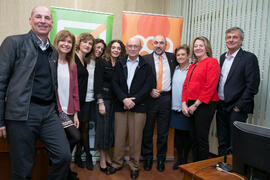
(199, 96)
(68, 97)
(104, 139)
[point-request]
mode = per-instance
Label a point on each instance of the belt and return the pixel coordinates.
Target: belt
(165, 93)
(40, 101)
(106, 89)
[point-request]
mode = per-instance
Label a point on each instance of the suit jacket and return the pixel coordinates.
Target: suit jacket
(150, 60)
(242, 82)
(140, 88)
(82, 75)
(103, 79)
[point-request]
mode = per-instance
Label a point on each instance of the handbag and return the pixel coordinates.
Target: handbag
(66, 120)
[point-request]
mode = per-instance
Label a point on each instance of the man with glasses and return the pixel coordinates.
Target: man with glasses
(132, 83)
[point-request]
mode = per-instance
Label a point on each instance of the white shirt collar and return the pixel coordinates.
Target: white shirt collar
(156, 56)
(233, 55)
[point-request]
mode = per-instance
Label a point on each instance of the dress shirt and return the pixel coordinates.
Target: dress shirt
(166, 76)
(178, 80)
(90, 85)
(41, 44)
(224, 73)
(131, 67)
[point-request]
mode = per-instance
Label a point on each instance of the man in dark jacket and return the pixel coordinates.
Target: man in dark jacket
(239, 82)
(132, 84)
(163, 64)
(28, 99)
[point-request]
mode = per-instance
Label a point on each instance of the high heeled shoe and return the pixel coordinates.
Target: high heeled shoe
(109, 164)
(105, 170)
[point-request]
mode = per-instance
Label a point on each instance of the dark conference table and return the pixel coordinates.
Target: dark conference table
(203, 171)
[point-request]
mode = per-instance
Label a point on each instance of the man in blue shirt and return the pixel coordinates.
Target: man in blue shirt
(132, 83)
(238, 84)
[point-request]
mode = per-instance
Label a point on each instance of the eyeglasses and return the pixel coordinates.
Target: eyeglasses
(133, 46)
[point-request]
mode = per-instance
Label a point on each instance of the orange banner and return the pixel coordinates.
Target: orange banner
(146, 26)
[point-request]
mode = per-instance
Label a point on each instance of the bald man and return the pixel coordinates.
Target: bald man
(132, 83)
(163, 65)
(28, 99)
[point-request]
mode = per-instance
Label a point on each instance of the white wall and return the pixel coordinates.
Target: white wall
(14, 14)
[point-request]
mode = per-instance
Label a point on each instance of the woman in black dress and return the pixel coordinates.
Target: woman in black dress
(104, 139)
(84, 46)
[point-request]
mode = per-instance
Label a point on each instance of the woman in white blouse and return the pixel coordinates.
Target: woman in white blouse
(68, 97)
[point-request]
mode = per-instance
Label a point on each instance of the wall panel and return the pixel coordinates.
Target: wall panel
(211, 18)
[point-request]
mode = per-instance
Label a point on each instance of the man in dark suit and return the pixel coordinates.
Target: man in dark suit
(239, 82)
(163, 64)
(132, 83)
(28, 99)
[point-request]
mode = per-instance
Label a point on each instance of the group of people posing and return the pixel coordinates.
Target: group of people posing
(52, 92)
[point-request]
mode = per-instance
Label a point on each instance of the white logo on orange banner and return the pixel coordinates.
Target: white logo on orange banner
(145, 41)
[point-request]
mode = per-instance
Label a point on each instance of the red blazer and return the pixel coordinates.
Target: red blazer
(201, 83)
(73, 102)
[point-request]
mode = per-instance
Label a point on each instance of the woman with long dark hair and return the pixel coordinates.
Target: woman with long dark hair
(104, 138)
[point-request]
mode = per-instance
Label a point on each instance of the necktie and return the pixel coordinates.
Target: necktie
(160, 72)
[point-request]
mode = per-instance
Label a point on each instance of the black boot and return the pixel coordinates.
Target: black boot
(89, 162)
(78, 160)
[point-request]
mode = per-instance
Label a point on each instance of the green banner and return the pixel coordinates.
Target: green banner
(79, 21)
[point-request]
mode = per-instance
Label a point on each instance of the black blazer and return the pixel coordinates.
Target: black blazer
(242, 82)
(150, 60)
(82, 75)
(103, 79)
(140, 88)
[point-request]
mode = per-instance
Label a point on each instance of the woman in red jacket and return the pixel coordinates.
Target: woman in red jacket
(68, 97)
(199, 95)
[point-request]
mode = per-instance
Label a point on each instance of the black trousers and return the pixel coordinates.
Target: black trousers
(42, 123)
(225, 121)
(200, 123)
(159, 110)
(182, 143)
